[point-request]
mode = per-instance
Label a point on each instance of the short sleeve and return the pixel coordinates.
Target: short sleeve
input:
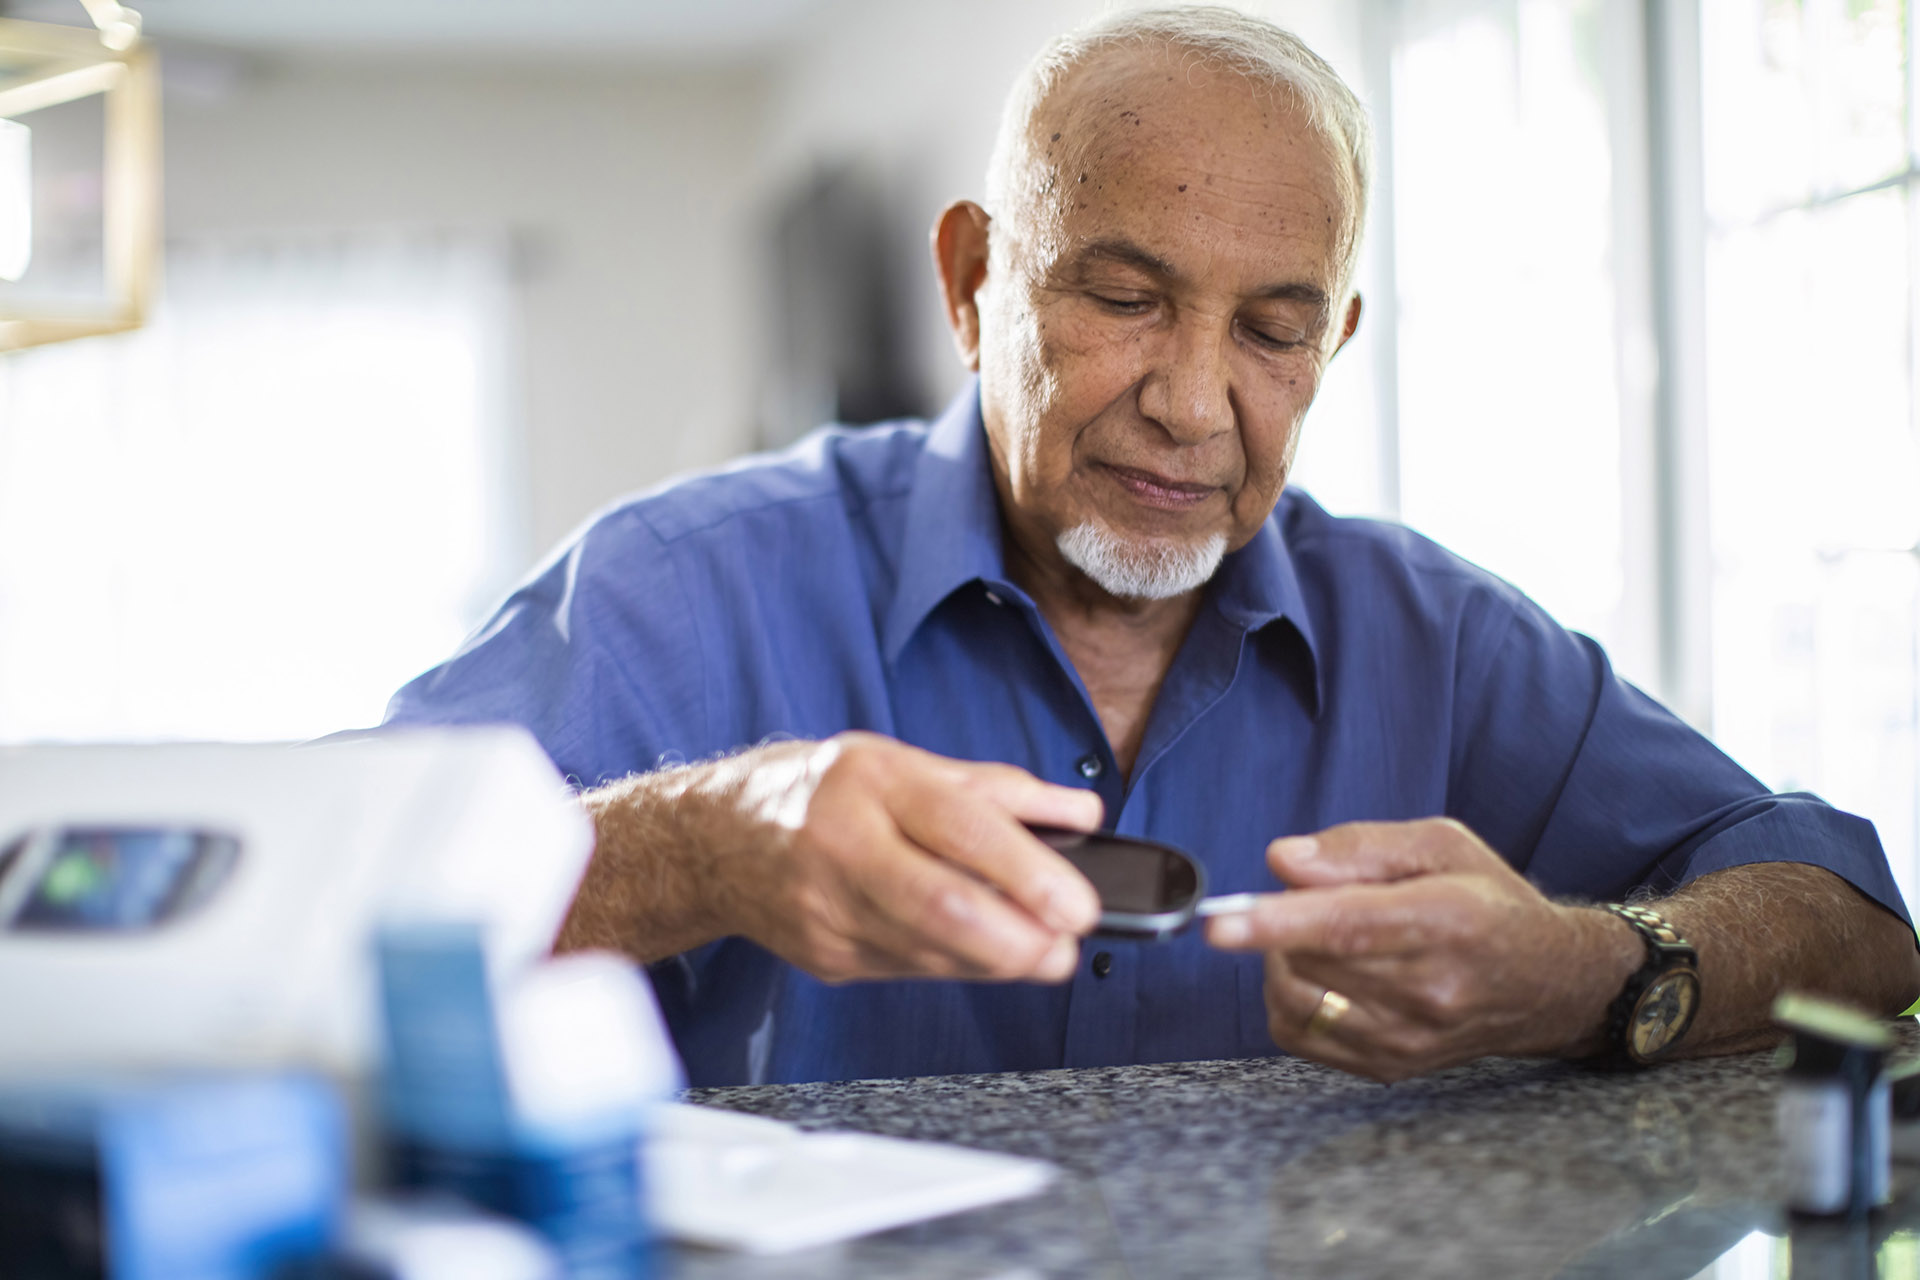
(597, 654)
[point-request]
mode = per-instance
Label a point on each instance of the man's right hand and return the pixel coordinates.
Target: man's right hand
(854, 858)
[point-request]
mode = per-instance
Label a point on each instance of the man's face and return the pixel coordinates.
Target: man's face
(1155, 322)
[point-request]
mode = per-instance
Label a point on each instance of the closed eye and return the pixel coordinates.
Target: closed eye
(1271, 341)
(1122, 306)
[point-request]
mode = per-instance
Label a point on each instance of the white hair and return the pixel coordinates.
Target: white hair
(1212, 35)
(1140, 571)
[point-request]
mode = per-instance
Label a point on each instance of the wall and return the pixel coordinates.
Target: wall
(628, 190)
(640, 195)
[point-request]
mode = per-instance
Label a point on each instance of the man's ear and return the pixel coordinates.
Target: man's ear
(960, 256)
(1353, 322)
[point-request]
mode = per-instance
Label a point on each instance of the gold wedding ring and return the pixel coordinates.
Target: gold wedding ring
(1332, 1007)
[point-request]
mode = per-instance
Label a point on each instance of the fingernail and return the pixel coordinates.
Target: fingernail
(1229, 931)
(1297, 849)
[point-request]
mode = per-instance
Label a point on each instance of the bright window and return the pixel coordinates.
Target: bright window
(257, 517)
(1509, 418)
(1545, 235)
(1814, 460)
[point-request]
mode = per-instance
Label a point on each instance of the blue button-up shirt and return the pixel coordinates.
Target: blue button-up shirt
(1341, 669)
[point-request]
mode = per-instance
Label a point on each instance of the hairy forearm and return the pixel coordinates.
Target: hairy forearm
(635, 898)
(853, 858)
(1766, 927)
(657, 884)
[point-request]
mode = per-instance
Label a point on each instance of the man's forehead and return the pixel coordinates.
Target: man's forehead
(1133, 138)
(1103, 103)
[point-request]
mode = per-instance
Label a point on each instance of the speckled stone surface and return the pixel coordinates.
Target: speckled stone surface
(1285, 1168)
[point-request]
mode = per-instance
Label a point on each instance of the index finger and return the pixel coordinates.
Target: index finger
(980, 826)
(1357, 852)
(1344, 921)
(1028, 798)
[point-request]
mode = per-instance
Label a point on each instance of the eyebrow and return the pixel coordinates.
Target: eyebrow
(1129, 254)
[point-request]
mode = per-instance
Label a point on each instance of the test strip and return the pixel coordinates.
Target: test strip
(1225, 904)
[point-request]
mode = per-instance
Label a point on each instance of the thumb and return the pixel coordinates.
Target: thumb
(1376, 852)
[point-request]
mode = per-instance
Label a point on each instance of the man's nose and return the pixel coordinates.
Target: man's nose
(1189, 390)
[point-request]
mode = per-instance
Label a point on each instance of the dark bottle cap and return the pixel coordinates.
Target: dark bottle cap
(1905, 1082)
(1831, 1038)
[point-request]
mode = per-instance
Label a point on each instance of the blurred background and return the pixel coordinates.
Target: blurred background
(441, 277)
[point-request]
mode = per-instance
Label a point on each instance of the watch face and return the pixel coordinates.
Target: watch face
(1665, 1009)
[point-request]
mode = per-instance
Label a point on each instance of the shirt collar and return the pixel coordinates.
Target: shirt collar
(953, 522)
(1258, 585)
(953, 538)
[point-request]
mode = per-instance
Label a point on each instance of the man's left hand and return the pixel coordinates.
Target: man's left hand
(1443, 952)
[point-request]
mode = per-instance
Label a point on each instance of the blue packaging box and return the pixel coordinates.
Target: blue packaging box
(451, 1122)
(201, 1177)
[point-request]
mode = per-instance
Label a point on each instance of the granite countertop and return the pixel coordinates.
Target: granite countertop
(1278, 1166)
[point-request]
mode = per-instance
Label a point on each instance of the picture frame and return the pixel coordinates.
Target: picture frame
(44, 65)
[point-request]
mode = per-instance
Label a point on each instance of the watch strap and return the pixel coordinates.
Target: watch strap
(1651, 925)
(1666, 951)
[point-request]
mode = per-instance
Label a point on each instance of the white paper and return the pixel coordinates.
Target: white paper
(743, 1182)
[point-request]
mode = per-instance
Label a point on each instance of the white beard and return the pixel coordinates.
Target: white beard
(1134, 572)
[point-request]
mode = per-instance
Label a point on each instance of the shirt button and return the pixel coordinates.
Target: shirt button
(1089, 767)
(1102, 963)
(994, 598)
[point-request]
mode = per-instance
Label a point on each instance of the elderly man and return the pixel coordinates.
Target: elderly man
(1084, 596)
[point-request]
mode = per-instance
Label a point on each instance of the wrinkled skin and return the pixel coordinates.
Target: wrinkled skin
(1150, 332)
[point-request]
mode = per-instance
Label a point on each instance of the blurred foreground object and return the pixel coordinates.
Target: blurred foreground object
(529, 1098)
(1835, 1115)
(80, 184)
(189, 921)
(439, 1240)
(214, 905)
(202, 1177)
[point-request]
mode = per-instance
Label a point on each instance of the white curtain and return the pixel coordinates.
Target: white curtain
(259, 515)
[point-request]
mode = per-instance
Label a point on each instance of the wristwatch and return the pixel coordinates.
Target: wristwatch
(1657, 1005)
